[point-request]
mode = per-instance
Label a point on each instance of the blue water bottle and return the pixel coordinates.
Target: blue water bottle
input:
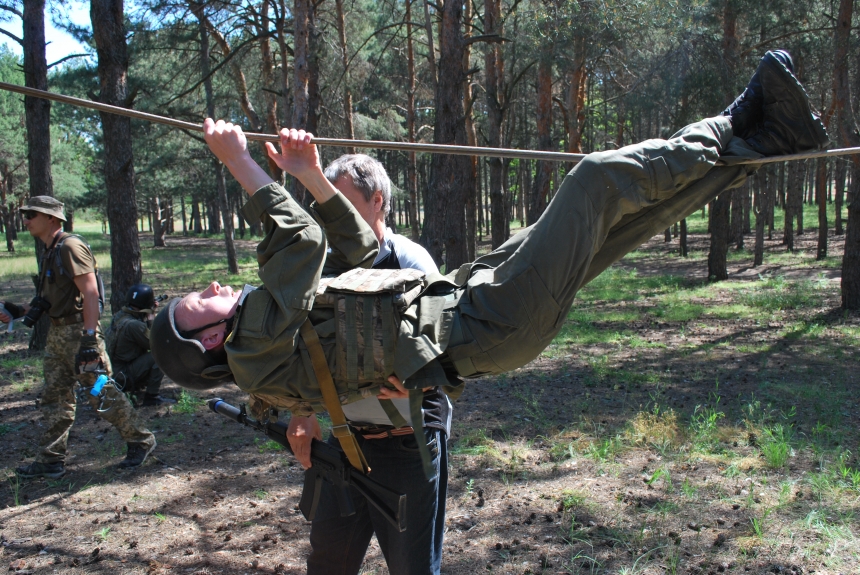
(98, 385)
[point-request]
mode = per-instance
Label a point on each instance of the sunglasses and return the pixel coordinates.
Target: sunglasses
(30, 214)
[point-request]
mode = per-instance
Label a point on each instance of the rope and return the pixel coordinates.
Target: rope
(380, 145)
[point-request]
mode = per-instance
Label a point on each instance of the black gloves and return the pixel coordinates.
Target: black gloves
(88, 358)
(15, 311)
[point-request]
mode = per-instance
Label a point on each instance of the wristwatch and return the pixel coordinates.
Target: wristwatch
(90, 332)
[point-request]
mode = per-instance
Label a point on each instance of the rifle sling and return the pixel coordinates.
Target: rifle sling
(339, 428)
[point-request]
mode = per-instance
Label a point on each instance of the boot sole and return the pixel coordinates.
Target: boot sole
(815, 129)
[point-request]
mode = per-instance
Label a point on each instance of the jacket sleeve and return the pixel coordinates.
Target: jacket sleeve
(352, 243)
(291, 254)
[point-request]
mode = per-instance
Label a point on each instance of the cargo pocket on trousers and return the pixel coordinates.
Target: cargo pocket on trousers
(662, 184)
(538, 303)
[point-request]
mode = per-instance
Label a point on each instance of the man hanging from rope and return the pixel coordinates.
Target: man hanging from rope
(493, 315)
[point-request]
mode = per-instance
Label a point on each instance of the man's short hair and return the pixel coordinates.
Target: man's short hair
(366, 173)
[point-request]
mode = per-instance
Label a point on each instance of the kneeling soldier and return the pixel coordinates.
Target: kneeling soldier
(128, 347)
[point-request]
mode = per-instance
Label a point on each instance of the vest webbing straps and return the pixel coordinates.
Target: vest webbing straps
(339, 428)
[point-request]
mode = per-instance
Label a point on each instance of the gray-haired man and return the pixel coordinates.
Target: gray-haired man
(339, 544)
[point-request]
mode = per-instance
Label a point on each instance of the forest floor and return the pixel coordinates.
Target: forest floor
(674, 426)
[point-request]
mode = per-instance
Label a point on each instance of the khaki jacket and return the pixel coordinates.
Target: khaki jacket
(265, 352)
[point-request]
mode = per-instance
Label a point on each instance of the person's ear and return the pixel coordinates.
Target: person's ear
(377, 201)
(213, 337)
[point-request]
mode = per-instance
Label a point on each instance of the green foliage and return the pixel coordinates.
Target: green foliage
(188, 403)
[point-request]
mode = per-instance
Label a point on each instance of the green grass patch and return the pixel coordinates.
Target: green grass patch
(473, 442)
(264, 445)
(188, 403)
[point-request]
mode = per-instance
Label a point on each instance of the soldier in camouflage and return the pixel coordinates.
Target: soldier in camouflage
(128, 347)
(69, 292)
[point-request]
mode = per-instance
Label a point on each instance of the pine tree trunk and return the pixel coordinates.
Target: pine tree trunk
(847, 129)
(821, 190)
(110, 39)
(349, 130)
(218, 167)
(541, 185)
(493, 89)
(760, 218)
(159, 223)
(719, 224)
(411, 166)
(683, 238)
(37, 118)
(450, 176)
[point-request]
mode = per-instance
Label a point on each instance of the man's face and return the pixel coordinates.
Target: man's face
(369, 210)
(36, 223)
(201, 308)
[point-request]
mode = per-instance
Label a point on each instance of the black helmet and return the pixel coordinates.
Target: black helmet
(140, 296)
(185, 361)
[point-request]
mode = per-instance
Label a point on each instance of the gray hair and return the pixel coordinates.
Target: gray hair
(367, 175)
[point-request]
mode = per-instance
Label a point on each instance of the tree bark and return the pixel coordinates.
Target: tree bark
(411, 167)
(719, 222)
(847, 133)
(109, 35)
(349, 130)
(821, 189)
(159, 223)
(445, 226)
(540, 188)
(37, 114)
(494, 90)
(218, 167)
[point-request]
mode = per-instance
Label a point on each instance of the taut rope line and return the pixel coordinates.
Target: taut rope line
(381, 145)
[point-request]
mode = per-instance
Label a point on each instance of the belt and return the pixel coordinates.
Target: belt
(68, 320)
(385, 432)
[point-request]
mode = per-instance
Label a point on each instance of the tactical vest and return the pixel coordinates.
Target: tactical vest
(367, 306)
(58, 264)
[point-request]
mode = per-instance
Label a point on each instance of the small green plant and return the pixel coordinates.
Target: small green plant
(187, 403)
(172, 438)
(703, 424)
(775, 445)
(103, 533)
(571, 499)
(688, 489)
(662, 473)
(604, 450)
(758, 524)
(160, 516)
(15, 488)
(261, 494)
(264, 445)
(470, 486)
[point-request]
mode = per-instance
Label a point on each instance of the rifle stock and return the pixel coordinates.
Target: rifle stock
(328, 464)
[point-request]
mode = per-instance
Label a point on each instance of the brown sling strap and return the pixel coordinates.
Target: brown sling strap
(339, 428)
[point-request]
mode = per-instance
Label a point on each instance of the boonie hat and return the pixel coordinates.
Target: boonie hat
(46, 205)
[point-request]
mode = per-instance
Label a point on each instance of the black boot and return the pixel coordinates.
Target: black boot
(52, 470)
(789, 126)
(136, 455)
(747, 110)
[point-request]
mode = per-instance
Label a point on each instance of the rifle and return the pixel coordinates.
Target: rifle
(330, 464)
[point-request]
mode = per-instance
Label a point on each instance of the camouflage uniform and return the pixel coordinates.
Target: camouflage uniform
(58, 397)
(128, 346)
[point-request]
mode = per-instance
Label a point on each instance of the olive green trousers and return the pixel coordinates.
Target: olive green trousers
(517, 298)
